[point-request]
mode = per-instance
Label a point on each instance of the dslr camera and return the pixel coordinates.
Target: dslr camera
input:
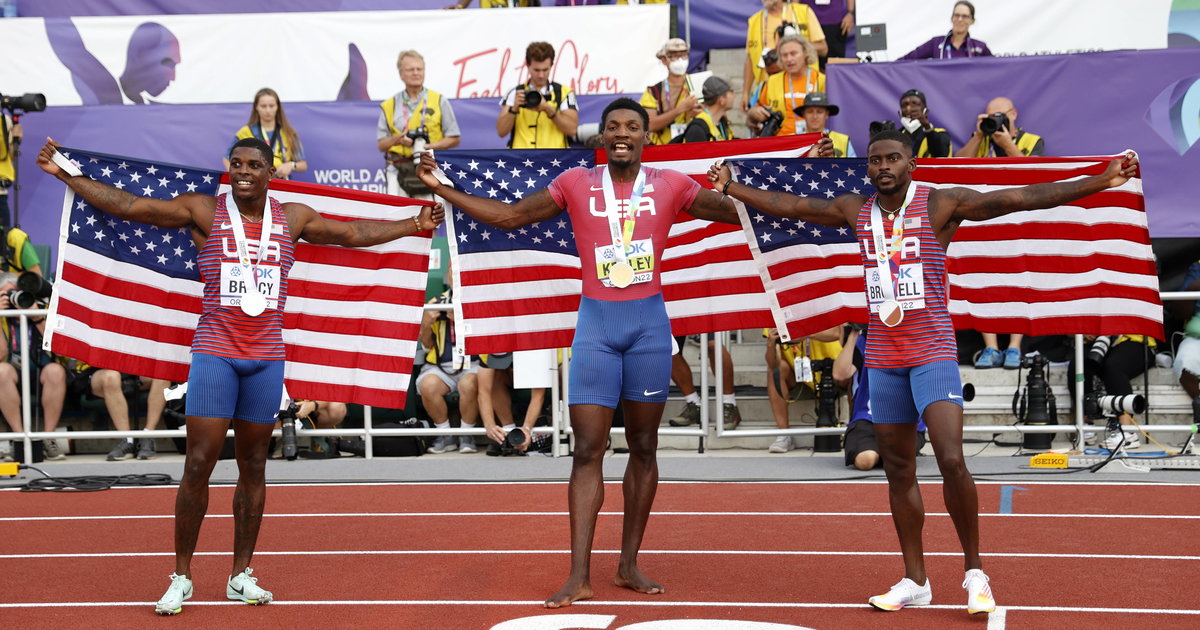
(771, 125)
(31, 289)
(24, 103)
(877, 126)
(533, 98)
(993, 123)
(786, 28)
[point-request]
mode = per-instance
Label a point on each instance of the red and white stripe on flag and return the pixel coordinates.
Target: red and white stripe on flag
(352, 317)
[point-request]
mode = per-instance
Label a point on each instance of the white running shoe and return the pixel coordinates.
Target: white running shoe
(244, 588)
(178, 592)
(1112, 439)
(905, 593)
(979, 592)
(782, 444)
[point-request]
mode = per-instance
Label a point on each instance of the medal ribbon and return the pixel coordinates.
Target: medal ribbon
(887, 256)
(621, 238)
(239, 237)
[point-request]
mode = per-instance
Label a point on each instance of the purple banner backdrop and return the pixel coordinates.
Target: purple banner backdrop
(338, 137)
(1085, 104)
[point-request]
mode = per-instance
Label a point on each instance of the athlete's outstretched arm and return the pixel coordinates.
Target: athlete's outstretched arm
(314, 228)
(710, 206)
(836, 212)
(538, 206)
(975, 206)
(184, 210)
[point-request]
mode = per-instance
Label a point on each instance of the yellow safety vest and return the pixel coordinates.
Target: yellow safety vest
(715, 131)
(17, 240)
(773, 95)
(841, 143)
(653, 101)
(428, 112)
(283, 149)
(757, 35)
(923, 150)
(1025, 143)
(6, 166)
(532, 129)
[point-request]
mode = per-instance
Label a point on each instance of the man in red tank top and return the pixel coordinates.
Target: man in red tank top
(250, 172)
(890, 165)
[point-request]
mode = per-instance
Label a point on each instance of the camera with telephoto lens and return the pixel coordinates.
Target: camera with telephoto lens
(1097, 352)
(878, 126)
(993, 123)
(771, 125)
(419, 137)
(24, 103)
(770, 57)
(287, 423)
(533, 99)
(785, 29)
(826, 407)
(31, 289)
(1035, 405)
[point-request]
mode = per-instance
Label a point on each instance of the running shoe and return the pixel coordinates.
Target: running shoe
(690, 415)
(244, 588)
(989, 358)
(905, 593)
(53, 452)
(466, 444)
(1112, 439)
(123, 450)
(782, 444)
(1012, 358)
(733, 417)
(979, 592)
(146, 448)
(178, 592)
(441, 444)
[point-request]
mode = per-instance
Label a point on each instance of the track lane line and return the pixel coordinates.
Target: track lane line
(661, 552)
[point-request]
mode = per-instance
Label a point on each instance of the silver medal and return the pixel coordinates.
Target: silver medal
(254, 303)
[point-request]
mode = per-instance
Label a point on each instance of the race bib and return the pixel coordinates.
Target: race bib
(908, 285)
(236, 282)
(641, 258)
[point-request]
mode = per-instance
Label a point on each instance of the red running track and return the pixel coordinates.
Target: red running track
(467, 556)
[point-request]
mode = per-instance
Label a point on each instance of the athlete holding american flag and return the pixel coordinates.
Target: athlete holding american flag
(903, 232)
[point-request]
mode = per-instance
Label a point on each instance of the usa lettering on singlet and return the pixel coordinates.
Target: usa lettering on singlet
(224, 330)
(920, 284)
(664, 195)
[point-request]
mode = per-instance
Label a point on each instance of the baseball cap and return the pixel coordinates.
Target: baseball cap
(817, 99)
(715, 86)
(674, 44)
(914, 92)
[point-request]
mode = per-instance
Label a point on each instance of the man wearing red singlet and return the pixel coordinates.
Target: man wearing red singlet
(903, 231)
(236, 374)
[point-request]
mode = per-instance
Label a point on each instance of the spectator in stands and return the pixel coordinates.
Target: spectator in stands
(321, 414)
(156, 403)
(816, 111)
(928, 141)
(781, 360)
(404, 115)
(711, 123)
(445, 372)
(269, 123)
(112, 387)
(958, 42)
(837, 20)
(1007, 141)
(1187, 357)
(10, 135)
(51, 376)
(766, 28)
(540, 113)
(1116, 361)
(785, 91)
(672, 103)
(495, 402)
(681, 373)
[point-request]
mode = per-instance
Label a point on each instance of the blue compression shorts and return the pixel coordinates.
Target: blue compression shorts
(902, 394)
(621, 350)
(245, 389)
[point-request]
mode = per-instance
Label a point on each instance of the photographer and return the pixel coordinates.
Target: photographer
(444, 372)
(540, 113)
(10, 135)
(405, 116)
(928, 141)
(997, 134)
(711, 123)
(496, 405)
(1187, 356)
(1116, 361)
(50, 375)
(764, 32)
(782, 359)
(816, 111)
(784, 92)
(671, 103)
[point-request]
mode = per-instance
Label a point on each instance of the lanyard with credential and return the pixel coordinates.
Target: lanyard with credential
(884, 253)
(250, 267)
(622, 235)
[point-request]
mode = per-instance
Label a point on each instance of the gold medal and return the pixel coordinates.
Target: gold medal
(891, 313)
(620, 274)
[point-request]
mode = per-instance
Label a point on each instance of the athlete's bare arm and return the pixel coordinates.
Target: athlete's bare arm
(710, 206)
(836, 212)
(538, 206)
(306, 224)
(189, 209)
(964, 204)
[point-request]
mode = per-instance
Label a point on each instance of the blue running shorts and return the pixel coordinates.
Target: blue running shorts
(621, 350)
(902, 394)
(245, 389)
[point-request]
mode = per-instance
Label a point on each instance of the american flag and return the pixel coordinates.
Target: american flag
(519, 290)
(1083, 267)
(128, 295)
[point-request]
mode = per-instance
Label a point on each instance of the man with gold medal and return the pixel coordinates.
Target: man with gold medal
(903, 232)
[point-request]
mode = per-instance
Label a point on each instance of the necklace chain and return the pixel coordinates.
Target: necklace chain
(248, 218)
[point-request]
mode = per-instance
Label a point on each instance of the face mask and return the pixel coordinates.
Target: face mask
(678, 66)
(910, 124)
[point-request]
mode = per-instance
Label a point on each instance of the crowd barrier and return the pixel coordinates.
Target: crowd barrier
(559, 429)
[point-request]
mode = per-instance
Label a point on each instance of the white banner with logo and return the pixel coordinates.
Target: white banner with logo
(1025, 27)
(324, 56)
